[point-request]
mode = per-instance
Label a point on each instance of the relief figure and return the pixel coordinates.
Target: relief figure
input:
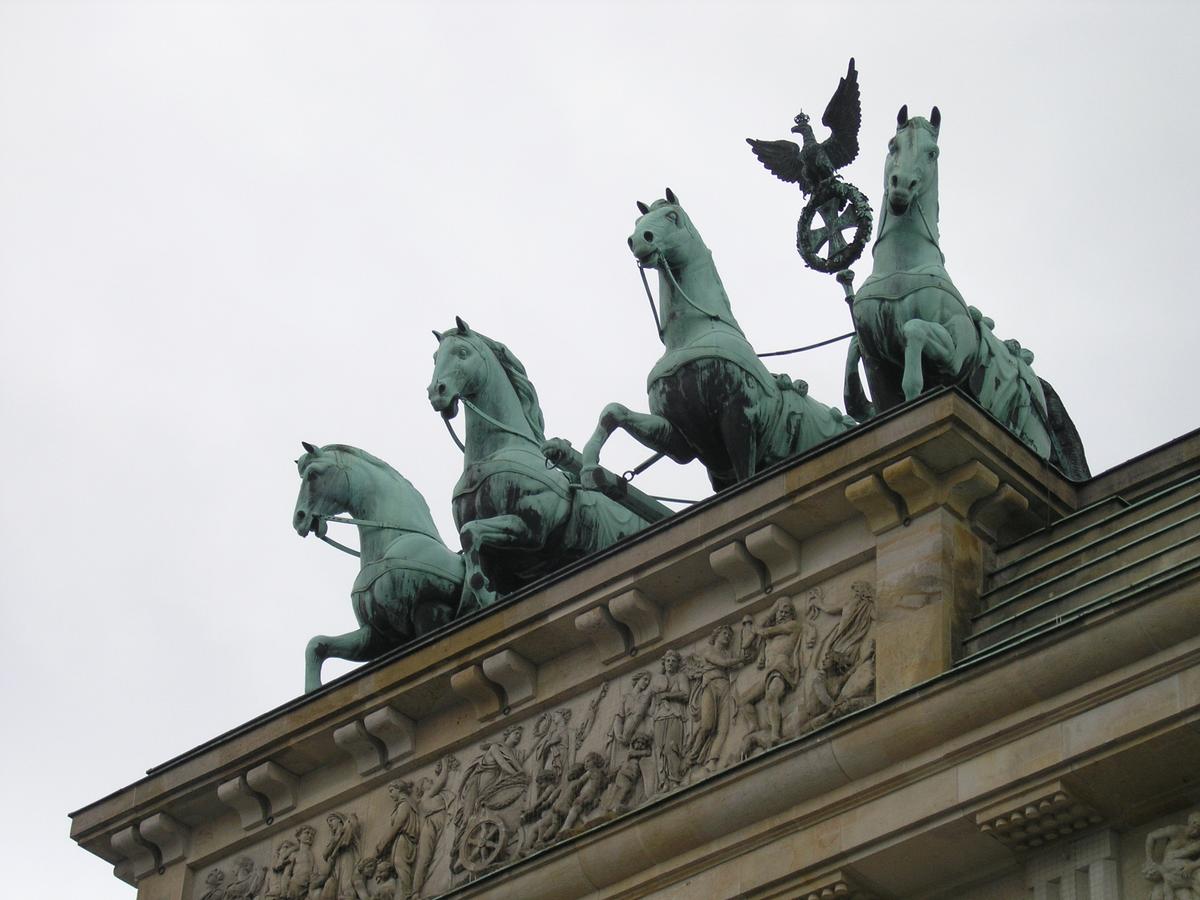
(778, 645)
(712, 702)
(399, 844)
(247, 880)
(630, 716)
(279, 872)
(341, 857)
(670, 696)
(306, 873)
(433, 805)
(1176, 870)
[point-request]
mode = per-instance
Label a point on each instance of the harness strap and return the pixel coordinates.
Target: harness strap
(332, 543)
(496, 423)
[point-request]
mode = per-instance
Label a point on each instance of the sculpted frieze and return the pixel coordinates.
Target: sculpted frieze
(1173, 861)
(793, 665)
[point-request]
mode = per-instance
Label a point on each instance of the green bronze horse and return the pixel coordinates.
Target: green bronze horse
(409, 581)
(711, 398)
(518, 518)
(914, 330)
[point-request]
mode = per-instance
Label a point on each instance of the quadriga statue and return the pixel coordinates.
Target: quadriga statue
(408, 581)
(711, 398)
(915, 331)
(518, 519)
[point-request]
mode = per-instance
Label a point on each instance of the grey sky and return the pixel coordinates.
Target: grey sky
(227, 227)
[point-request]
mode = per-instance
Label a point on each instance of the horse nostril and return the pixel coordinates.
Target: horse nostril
(631, 243)
(912, 184)
(895, 181)
(441, 389)
(648, 236)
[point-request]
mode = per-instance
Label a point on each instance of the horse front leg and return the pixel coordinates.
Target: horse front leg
(924, 339)
(497, 532)
(651, 431)
(357, 646)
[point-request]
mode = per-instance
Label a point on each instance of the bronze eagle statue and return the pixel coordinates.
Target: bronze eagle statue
(813, 163)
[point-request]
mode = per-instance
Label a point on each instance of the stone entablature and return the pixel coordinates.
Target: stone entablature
(808, 742)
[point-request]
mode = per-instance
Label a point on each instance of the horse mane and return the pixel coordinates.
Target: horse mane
(366, 457)
(526, 392)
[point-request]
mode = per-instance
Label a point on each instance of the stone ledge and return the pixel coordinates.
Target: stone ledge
(780, 512)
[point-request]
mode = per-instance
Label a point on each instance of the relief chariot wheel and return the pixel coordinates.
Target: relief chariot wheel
(842, 207)
(483, 844)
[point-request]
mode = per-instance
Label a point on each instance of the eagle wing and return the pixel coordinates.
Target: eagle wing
(843, 116)
(782, 159)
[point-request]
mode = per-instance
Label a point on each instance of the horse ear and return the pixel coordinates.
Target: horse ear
(935, 118)
(437, 334)
(309, 448)
(671, 198)
(902, 116)
(643, 208)
(463, 327)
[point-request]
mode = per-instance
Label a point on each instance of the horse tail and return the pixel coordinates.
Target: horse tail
(1066, 445)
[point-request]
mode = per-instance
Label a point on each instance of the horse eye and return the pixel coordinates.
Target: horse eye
(312, 476)
(674, 217)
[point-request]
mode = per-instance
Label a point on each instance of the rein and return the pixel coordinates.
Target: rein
(666, 267)
(658, 323)
(370, 523)
(495, 423)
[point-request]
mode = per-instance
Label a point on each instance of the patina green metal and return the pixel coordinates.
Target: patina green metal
(518, 517)
(915, 331)
(711, 397)
(409, 582)
(813, 167)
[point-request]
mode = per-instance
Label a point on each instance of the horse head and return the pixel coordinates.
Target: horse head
(468, 364)
(324, 489)
(911, 168)
(663, 234)
(459, 368)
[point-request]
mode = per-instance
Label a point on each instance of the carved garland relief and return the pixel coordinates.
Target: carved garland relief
(799, 664)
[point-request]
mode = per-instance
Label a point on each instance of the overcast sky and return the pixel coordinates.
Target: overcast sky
(227, 228)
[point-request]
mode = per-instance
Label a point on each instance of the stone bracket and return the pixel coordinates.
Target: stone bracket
(168, 835)
(277, 784)
(394, 730)
(367, 751)
(252, 807)
(908, 488)
(871, 497)
(516, 676)
(611, 639)
(777, 550)
(145, 847)
(483, 694)
(746, 575)
(997, 511)
(622, 626)
(640, 615)
(376, 741)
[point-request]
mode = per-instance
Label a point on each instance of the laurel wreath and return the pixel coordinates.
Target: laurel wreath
(843, 192)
